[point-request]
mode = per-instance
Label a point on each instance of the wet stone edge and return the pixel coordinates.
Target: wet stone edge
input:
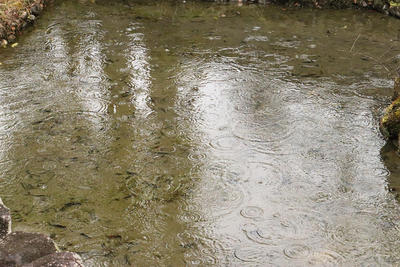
(30, 249)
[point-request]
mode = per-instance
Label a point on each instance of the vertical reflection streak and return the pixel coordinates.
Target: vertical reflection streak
(138, 63)
(93, 84)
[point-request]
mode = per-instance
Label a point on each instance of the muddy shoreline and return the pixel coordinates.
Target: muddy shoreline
(17, 15)
(384, 6)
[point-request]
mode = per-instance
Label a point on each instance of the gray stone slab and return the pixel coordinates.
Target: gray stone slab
(59, 259)
(5, 220)
(20, 248)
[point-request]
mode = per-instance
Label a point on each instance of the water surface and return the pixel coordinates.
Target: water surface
(181, 134)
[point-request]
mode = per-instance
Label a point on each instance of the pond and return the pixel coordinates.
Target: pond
(188, 133)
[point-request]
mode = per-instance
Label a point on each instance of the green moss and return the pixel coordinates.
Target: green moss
(390, 122)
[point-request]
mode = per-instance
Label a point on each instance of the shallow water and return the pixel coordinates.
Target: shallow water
(144, 133)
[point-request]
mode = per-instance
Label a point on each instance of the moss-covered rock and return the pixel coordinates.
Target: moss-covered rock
(390, 122)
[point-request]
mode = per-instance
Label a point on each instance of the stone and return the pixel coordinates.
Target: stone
(5, 220)
(4, 43)
(20, 248)
(30, 249)
(390, 122)
(24, 15)
(11, 38)
(35, 10)
(59, 259)
(31, 17)
(395, 11)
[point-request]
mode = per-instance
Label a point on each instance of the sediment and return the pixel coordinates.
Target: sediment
(30, 249)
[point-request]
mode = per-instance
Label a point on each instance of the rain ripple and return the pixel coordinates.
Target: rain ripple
(224, 199)
(225, 143)
(297, 251)
(252, 212)
(252, 232)
(325, 258)
(267, 174)
(265, 138)
(255, 254)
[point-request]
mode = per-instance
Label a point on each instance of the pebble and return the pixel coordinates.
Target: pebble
(11, 37)
(4, 43)
(24, 15)
(31, 17)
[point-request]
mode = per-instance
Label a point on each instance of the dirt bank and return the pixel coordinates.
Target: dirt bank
(16, 15)
(385, 6)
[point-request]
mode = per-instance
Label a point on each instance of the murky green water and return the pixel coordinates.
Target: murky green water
(195, 134)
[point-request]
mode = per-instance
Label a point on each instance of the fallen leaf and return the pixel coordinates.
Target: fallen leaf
(394, 4)
(14, 45)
